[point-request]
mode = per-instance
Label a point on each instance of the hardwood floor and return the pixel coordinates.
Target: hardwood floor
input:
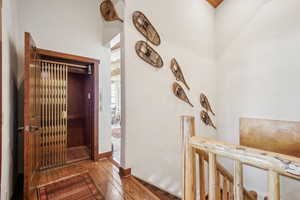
(75, 154)
(162, 195)
(104, 174)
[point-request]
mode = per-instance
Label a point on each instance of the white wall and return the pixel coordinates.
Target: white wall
(74, 27)
(152, 113)
(9, 69)
(257, 54)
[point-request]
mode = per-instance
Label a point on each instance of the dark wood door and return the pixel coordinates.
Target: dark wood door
(32, 116)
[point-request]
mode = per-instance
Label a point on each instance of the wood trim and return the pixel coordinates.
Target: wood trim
(26, 118)
(56, 54)
(62, 63)
(95, 90)
(0, 110)
(215, 3)
(30, 118)
(137, 182)
(96, 109)
(115, 163)
(104, 155)
(160, 193)
(124, 172)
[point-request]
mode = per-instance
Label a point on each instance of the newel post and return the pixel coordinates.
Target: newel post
(187, 129)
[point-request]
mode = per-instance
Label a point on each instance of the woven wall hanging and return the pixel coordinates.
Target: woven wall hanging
(205, 118)
(108, 11)
(179, 93)
(144, 26)
(205, 103)
(148, 54)
(175, 68)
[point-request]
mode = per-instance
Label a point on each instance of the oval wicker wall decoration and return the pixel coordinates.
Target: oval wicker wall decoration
(175, 68)
(108, 11)
(179, 93)
(205, 118)
(148, 54)
(205, 103)
(144, 26)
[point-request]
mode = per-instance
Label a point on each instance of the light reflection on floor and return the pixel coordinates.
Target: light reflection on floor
(116, 142)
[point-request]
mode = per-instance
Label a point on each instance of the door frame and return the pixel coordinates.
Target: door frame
(95, 64)
(30, 55)
(0, 113)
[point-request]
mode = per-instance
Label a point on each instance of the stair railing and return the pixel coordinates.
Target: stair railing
(224, 180)
(232, 187)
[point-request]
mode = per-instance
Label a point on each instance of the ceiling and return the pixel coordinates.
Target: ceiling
(215, 3)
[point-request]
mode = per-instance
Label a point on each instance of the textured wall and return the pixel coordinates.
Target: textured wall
(258, 70)
(152, 112)
(9, 70)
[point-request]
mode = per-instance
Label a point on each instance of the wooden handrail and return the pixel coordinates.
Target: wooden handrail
(222, 190)
(276, 164)
(283, 164)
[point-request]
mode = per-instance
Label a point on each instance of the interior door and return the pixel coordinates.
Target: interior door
(32, 116)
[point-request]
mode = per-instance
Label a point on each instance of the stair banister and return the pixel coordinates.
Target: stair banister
(276, 164)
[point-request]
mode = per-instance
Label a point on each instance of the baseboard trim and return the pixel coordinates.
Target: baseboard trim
(124, 172)
(160, 193)
(115, 163)
(104, 155)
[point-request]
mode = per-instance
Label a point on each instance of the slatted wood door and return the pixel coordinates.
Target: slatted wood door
(32, 114)
(53, 139)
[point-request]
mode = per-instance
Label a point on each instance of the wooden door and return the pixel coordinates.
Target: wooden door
(32, 115)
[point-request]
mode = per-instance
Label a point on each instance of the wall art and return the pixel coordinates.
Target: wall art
(109, 12)
(205, 118)
(144, 26)
(175, 68)
(148, 54)
(179, 92)
(205, 103)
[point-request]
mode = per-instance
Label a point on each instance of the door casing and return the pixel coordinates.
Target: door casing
(95, 89)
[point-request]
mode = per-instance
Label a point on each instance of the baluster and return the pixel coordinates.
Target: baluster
(218, 185)
(273, 185)
(225, 189)
(188, 158)
(230, 191)
(212, 168)
(202, 176)
(238, 181)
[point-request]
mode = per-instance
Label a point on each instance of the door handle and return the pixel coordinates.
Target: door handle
(29, 128)
(21, 129)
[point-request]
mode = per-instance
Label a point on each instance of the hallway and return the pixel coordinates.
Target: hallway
(105, 176)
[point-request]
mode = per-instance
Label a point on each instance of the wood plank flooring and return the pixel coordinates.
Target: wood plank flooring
(104, 174)
(75, 154)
